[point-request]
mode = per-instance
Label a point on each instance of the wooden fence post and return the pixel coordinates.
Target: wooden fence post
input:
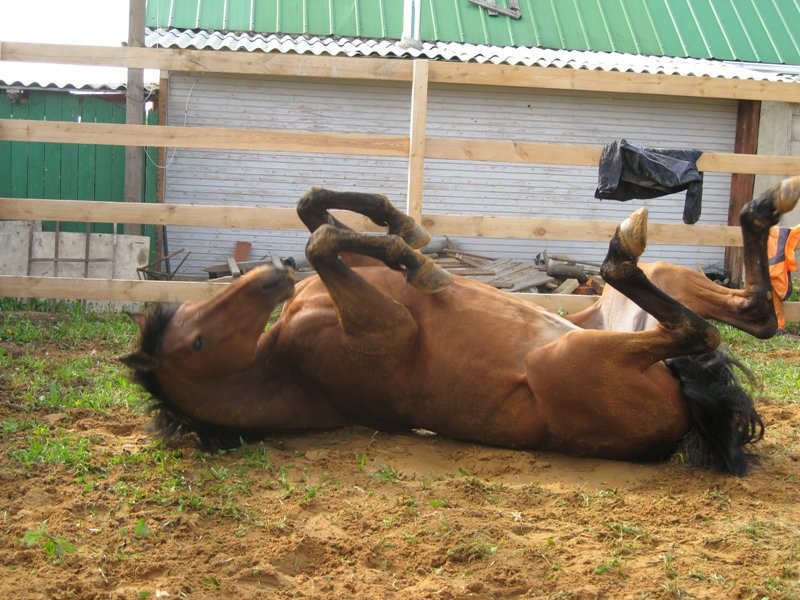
(134, 111)
(747, 123)
(416, 146)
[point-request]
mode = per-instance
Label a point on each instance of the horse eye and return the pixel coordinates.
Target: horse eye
(198, 343)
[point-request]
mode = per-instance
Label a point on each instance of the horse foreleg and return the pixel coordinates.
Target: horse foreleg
(316, 203)
(681, 331)
(359, 303)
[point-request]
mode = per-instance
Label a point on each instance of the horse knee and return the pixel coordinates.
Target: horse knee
(396, 249)
(694, 334)
(322, 245)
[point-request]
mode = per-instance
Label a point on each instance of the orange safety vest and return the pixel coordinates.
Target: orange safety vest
(781, 247)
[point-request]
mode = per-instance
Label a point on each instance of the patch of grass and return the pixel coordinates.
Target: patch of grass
(68, 323)
(385, 473)
(719, 496)
(41, 377)
(772, 362)
(481, 545)
(757, 531)
(256, 456)
(56, 548)
(619, 530)
(141, 530)
(44, 445)
(612, 564)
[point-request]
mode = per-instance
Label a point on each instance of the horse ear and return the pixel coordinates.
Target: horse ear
(140, 361)
(138, 318)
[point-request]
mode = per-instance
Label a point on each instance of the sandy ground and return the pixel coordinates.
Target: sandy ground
(354, 513)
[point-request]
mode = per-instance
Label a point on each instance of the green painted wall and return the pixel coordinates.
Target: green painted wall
(70, 171)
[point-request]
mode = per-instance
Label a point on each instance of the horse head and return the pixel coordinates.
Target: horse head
(183, 348)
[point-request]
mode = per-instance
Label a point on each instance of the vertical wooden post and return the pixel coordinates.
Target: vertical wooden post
(416, 148)
(134, 111)
(747, 122)
(161, 170)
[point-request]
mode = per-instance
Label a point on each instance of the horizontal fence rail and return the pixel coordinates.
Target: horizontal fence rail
(286, 218)
(387, 69)
(183, 291)
(170, 136)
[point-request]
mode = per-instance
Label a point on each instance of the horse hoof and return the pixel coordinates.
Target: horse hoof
(414, 235)
(429, 277)
(787, 194)
(632, 233)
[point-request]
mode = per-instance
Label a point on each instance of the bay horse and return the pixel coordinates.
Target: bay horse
(384, 337)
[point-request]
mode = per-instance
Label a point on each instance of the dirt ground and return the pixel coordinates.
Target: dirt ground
(354, 513)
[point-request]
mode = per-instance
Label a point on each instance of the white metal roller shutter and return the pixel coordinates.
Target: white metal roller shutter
(279, 179)
(563, 191)
(207, 177)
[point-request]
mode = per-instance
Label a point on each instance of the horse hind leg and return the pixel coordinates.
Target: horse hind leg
(313, 209)
(757, 217)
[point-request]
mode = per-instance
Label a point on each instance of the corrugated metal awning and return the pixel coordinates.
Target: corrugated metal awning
(762, 31)
(40, 83)
(457, 51)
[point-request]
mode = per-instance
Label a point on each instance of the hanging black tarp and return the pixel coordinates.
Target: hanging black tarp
(627, 171)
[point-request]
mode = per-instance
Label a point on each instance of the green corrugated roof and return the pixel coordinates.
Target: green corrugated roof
(765, 31)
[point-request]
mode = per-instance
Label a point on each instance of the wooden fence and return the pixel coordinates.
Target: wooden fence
(71, 171)
(416, 147)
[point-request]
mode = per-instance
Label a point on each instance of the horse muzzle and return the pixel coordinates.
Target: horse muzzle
(273, 280)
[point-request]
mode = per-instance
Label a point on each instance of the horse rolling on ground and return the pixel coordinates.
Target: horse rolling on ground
(385, 338)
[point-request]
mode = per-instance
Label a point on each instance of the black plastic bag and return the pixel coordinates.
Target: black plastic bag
(627, 171)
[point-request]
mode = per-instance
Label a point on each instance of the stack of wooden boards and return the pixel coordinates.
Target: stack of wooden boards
(547, 274)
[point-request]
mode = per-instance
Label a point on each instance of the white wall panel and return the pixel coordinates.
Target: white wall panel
(564, 191)
(279, 179)
(275, 179)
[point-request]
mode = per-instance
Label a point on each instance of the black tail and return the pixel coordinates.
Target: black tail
(723, 416)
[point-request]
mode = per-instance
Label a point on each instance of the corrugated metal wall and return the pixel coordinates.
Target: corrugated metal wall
(568, 191)
(263, 179)
(275, 179)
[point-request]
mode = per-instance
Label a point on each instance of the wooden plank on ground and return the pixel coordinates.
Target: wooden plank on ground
(567, 286)
(533, 279)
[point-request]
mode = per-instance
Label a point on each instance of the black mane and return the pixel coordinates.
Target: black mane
(169, 420)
